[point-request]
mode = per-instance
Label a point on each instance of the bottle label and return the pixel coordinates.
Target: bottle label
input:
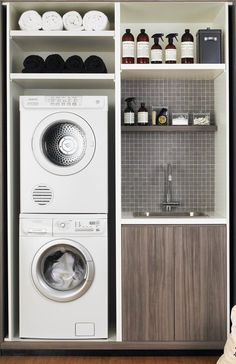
(162, 119)
(128, 49)
(171, 54)
(142, 49)
(142, 117)
(129, 118)
(187, 50)
(156, 55)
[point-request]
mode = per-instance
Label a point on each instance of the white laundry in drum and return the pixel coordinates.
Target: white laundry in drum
(65, 272)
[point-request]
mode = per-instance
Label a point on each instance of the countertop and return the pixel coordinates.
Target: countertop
(212, 218)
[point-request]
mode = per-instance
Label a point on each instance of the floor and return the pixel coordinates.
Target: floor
(108, 360)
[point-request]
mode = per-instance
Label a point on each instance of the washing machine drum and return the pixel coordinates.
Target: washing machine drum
(63, 270)
(63, 143)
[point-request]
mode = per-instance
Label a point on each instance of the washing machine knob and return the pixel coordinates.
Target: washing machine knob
(62, 225)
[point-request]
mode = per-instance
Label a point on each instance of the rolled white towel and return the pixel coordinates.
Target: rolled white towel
(52, 21)
(95, 20)
(30, 20)
(72, 20)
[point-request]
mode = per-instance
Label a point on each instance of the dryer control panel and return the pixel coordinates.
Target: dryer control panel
(64, 102)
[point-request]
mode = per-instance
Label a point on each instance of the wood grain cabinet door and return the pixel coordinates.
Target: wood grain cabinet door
(200, 283)
(147, 283)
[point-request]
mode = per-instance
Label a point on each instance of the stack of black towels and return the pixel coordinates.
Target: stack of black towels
(54, 63)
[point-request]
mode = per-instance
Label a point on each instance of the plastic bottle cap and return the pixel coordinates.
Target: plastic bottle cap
(142, 30)
(127, 30)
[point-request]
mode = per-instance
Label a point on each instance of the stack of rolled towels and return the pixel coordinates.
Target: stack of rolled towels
(54, 63)
(95, 20)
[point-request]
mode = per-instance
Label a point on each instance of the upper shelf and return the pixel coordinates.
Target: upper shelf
(64, 80)
(170, 12)
(64, 40)
(171, 71)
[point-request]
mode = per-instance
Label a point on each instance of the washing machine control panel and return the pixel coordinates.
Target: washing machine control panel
(79, 227)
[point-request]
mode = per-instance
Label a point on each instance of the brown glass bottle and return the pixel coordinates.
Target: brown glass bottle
(170, 50)
(142, 115)
(128, 47)
(142, 47)
(187, 47)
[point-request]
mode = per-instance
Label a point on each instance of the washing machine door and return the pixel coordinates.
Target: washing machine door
(63, 143)
(63, 270)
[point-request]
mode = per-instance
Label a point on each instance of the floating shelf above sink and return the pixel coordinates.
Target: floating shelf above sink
(169, 128)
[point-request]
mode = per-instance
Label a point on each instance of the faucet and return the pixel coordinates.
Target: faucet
(168, 204)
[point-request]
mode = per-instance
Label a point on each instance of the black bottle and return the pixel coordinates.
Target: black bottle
(129, 115)
(162, 117)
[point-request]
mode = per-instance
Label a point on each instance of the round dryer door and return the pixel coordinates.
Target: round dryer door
(63, 143)
(63, 270)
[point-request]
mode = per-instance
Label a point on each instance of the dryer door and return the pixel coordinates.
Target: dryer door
(63, 143)
(63, 270)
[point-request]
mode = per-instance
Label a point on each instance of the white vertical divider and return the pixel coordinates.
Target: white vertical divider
(10, 252)
(227, 151)
(118, 173)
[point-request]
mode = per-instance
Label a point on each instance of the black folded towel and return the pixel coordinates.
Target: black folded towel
(33, 64)
(74, 64)
(95, 64)
(54, 63)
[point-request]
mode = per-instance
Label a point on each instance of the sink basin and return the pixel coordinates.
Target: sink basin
(170, 214)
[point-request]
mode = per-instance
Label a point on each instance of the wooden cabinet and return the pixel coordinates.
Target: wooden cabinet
(174, 283)
(200, 283)
(148, 283)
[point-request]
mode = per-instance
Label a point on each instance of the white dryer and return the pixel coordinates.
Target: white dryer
(63, 277)
(63, 154)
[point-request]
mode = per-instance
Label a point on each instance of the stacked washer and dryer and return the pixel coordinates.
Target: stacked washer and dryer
(63, 217)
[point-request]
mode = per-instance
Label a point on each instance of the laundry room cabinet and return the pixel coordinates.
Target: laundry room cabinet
(174, 283)
(168, 280)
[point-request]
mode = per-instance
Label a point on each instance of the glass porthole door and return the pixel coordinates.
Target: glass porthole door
(63, 143)
(63, 270)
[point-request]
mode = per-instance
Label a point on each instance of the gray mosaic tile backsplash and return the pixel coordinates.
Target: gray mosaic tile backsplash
(145, 155)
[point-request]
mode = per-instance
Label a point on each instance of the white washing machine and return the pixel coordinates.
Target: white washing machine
(63, 277)
(63, 154)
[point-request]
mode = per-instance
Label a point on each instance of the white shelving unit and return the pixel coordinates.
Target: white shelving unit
(154, 17)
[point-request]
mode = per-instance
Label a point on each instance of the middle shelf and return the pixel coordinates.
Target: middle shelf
(194, 71)
(64, 40)
(63, 81)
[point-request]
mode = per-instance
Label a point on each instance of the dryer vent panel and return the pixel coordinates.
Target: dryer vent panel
(42, 195)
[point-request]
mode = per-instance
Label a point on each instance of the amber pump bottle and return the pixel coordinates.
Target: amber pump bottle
(128, 47)
(187, 47)
(142, 47)
(142, 115)
(156, 50)
(170, 50)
